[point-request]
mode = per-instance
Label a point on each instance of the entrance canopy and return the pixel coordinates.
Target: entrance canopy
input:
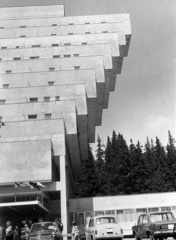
(23, 208)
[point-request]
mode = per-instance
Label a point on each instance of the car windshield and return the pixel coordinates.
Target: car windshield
(161, 216)
(42, 227)
(104, 220)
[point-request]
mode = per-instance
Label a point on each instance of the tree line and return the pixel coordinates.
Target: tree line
(119, 168)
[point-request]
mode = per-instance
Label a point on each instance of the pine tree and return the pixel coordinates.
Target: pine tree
(86, 185)
(100, 167)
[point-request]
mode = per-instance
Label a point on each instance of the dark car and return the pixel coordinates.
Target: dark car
(41, 231)
(156, 225)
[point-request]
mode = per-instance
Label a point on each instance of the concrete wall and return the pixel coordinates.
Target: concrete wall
(25, 161)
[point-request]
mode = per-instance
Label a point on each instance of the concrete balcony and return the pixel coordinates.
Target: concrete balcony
(31, 11)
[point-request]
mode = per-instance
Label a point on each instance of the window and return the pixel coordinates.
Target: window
(97, 213)
(84, 43)
(103, 22)
(34, 116)
(76, 67)
(5, 85)
(55, 45)
(0, 59)
(52, 69)
(2, 101)
(1, 27)
(155, 209)
(3, 47)
(33, 99)
(120, 215)
(56, 56)
(48, 116)
(57, 98)
(36, 45)
(165, 209)
(46, 99)
(8, 71)
(34, 57)
(16, 58)
(110, 212)
(76, 55)
(87, 22)
(54, 24)
(22, 36)
(22, 26)
(53, 34)
(129, 215)
(67, 55)
(70, 33)
(87, 32)
(145, 219)
(71, 24)
(67, 44)
(139, 211)
(105, 32)
(17, 46)
(51, 83)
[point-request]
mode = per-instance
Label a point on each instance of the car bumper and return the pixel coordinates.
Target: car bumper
(119, 237)
(165, 234)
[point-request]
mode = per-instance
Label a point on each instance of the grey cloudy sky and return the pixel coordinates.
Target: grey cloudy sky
(143, 103)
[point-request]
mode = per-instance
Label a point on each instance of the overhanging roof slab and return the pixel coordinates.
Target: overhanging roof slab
(115, 39)
(31, 11)
(53, 130)
(33, 31)
(67, 20)
(70, 76)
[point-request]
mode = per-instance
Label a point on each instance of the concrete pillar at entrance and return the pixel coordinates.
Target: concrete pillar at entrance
(64, 200)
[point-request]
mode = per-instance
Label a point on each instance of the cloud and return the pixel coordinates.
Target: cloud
(155, 123)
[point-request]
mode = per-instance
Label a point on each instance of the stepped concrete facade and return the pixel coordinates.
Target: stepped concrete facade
(56, 75)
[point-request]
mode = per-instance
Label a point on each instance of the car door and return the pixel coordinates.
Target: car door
(139, 225)
(144, 226)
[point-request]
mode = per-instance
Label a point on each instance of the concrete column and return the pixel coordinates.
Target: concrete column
(64, 200)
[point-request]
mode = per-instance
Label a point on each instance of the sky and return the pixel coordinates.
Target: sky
(143, 103)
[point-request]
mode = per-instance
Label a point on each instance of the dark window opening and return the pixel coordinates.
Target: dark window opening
(17, 46)
(48, 116)
(33, 99)
(67, 44)
(56, 56)
(70, 33)
(71, 24)
(87, 22)
(84, 43)
(55, 45)
(53, 34)
(51, 83)
(36, 45)
(54, 25)
(22, 26)
(22, 36)
(34, 57)
(57, 98)
(52, 69)
(76, 55)
(67, 55)
(5, 85)
(3, 47)
(8, 71)
(46, 99)
(2, 101)
(76, 67)
(33, 116)
(16, 58)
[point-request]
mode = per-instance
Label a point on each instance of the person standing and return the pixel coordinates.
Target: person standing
(16, 233)
(59, 223)
(75, 231)
(9, 231)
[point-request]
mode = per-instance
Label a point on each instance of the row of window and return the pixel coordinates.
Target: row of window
(52, 45)
(6, 85)
(123, 215)
(53, 25)
(50, 69)
(46, 99)
(37, 57)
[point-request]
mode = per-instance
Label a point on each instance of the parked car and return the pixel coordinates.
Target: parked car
(41, 231)
(102, 227)
(155, 225)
